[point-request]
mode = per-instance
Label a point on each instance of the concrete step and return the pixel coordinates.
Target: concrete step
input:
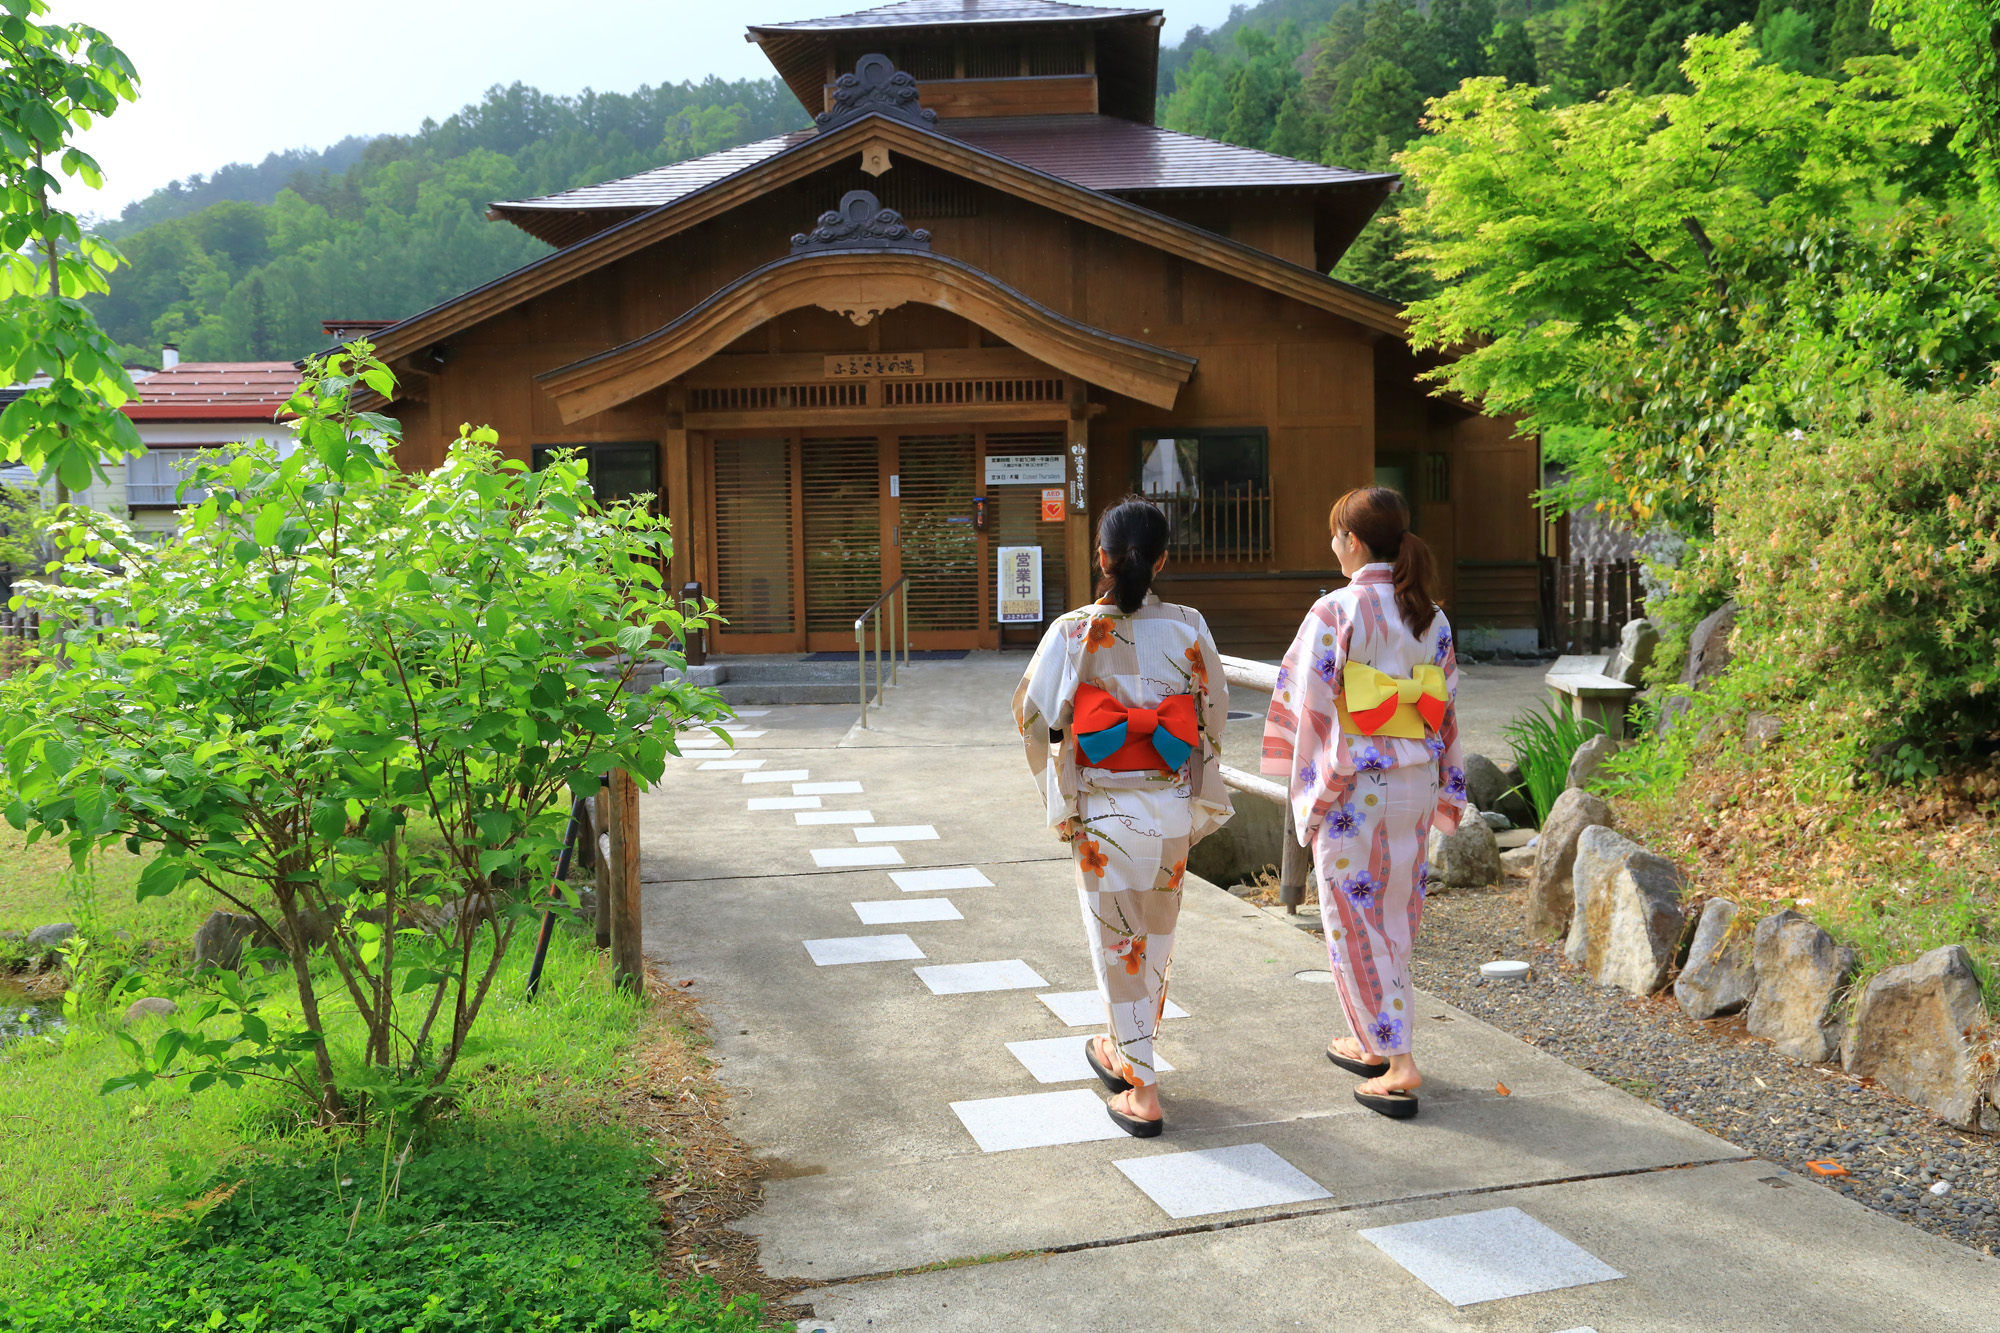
(789, 692)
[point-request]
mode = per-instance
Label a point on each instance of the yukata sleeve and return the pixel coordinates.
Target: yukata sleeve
(1211, 802)
(1043, 702)
(1302, 740)
(1450, 756)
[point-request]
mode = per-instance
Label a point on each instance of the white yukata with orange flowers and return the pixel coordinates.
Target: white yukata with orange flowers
(1366, 804)
(1130, 831)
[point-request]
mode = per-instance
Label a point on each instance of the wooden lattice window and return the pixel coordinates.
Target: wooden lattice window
(1216, 488)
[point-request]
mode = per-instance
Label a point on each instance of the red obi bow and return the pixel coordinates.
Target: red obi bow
(1126, 739)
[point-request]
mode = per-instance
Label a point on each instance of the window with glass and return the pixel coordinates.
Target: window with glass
(616, 471)
(1216, 488)
(153, 478)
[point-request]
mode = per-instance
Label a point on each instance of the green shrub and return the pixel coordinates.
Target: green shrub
(504, 1228)
(1866, 562)
(1544, 741)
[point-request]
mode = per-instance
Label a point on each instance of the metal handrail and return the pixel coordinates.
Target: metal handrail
(894, 603)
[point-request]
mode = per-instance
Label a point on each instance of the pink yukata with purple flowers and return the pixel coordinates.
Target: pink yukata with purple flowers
(1366, 805)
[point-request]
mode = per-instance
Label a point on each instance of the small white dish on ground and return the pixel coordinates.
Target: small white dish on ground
(1505, 969)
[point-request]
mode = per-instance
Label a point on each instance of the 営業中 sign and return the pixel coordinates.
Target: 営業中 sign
(1020, 585)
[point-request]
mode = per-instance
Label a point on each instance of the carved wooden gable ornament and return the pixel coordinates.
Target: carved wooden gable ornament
(860, 223)
(876, 87)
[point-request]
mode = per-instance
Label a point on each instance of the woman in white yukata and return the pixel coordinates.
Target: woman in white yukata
(1122, 711)
(1364, 724)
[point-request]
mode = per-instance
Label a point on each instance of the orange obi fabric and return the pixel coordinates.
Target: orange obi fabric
(1374, 703)
(1125, 739)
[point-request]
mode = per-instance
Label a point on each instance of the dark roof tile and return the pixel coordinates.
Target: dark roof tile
(937, 13)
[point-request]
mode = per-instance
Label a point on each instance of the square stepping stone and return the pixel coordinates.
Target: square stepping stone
(863, 949)
(827, 789)
(929, 881)
(784, 802)
(1061, 1059)
(896, 911)
(753, 712)
(1220, 1180)
(897, 833)
(967, 978)
(1488, 1256)
(737, 733)
(700, 742)
(856, 856)
(1037, 1120)
(778, 775)
(832, 816)
(743, 766)
(1085, 1008)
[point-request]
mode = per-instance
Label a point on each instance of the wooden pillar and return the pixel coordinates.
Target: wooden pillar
(1077, 557)
(600, 840)
(628, 959)
(678, 484)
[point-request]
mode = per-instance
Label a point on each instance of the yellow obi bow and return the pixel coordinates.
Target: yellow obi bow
(1374, 703)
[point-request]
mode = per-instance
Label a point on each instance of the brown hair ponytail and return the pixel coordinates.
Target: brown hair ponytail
(1380, 519)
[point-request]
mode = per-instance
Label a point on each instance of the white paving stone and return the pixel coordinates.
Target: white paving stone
(784, 802)
(857, 856)
(929, 881)
(1061, 1059)
(897, 833)
(1220, 1180)
(743, 766)
(1037, 1120)
(1085, 1008)
(863, 949)
(833, 816)
(894, 911)
(779, 775)
(1488, 1256)
(827, 789)
(753, 712)
(739, 734)
(700, 742)
(966, 978)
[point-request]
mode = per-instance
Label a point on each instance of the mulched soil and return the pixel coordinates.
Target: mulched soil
(1714, 1074)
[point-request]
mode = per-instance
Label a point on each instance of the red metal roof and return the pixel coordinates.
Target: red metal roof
(939, 13)
(215, 391)
(1097, 152)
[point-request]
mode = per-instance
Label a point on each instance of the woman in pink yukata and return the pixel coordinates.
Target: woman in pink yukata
(1364, 724)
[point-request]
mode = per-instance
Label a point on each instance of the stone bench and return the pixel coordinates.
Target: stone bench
(1580, 688)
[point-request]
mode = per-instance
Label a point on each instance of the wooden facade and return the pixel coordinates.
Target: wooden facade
(820, 412)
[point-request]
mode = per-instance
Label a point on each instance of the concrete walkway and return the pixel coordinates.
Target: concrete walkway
(936, 1162)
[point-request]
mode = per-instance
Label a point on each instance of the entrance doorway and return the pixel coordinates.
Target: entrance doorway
(809, 526)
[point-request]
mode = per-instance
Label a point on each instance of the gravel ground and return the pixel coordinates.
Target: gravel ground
(1715, 1075)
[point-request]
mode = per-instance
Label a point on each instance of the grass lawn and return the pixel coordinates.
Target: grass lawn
(532, 1201)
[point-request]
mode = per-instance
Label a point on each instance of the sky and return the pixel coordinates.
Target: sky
(231, 80)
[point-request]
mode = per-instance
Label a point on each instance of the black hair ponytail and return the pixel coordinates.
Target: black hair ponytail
(1133, 534)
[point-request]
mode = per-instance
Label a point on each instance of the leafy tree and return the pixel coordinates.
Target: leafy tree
(1632, 263)
(1957, 57)
(55, 80)
(330, 650)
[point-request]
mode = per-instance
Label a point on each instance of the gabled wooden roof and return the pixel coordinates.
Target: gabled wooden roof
(719, 197)
(1102, 153)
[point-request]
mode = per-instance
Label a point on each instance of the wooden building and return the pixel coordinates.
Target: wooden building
(980, 300)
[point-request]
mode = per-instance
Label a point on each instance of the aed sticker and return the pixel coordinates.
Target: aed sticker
(1052, 504)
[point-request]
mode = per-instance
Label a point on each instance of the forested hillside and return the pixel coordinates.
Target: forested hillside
(1345, 81)
(245, 264)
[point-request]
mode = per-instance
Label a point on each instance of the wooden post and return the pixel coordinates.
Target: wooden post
(602, 863)
(1292, 869)
(628, 958)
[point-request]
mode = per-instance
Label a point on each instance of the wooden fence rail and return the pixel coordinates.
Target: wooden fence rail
(1587, 605)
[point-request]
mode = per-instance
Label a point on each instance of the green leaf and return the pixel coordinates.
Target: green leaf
(160, 876)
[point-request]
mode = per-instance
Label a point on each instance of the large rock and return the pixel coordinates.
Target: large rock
(1629, 900)
(1721, 970)
(1761, 730)
(218, 941)
(1636, 644)
(1483, 782)
(1466, 859)
(1549, 896)
(1590, 757)
(150, 1007)
(46, 939)
(1513, 801)
(1801, 973)
(1518, 861)
(1672, 710)
(1916, 1029)
(1708, 647)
